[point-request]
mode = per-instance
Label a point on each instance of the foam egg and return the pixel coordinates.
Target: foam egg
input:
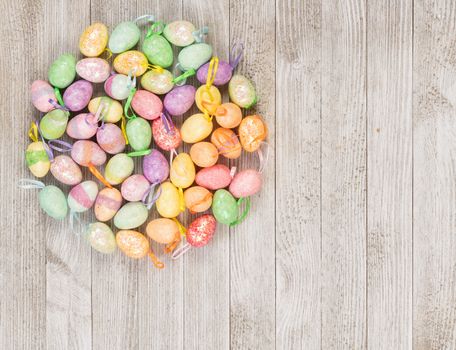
(252, 132)
(166, 140)
(82, 197)
(146, 104)
(182, 172)
(132, 243)
(134, 187)
(201, 231)
(180, 33)
(224, 207)
(131, 215)
(111, 139)
(196, 128)
(194, 56)
(241, 91)
(134, 62)
(118, 168)
(77, 96)
(180, 99)
(157, 82)
(82, 127)
(197, 199)
(62, 71)
(101, 237)
(53, 124)
(94, 69)
(228, 115)
(246, 183)
(93, 40)
(227, 143)
(107, 204)
(139, 133)
(208, 99)
(124, 37)
(85, 153)
(65, 170)
(112, 111)
(155, 167)
(222, 76)
(168, 203)
(214, 177)
(42, 92)
(117, 86)
(53, 202)
(158, 50)
(163, 231)
(37, 159)
(204, 154)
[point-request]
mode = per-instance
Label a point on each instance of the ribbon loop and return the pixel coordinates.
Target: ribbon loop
(263, 156)
(234, 61)
(242, 216)
(127, 107)
(200, 34)
(181, 227)
(150, 196)
(144, 152)
(98, 175)
(30, 184)
(168, 123)
(155, 29)
(181, 199)
(180, 251)
(155, 68)
(33, 132)
(147, 18)
(183, 77)
(123, 127)
(77, 226)
(55, 145)
(157, 263)
(211, 72)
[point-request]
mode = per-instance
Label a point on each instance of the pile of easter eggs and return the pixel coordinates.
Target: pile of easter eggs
(119, 103)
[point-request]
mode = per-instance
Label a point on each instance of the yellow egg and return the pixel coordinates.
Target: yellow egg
(168, 203)
(93, 40)
(196, 128)
(37, 159)
(197, 199)
(131, 61)
(112, 111)
(182, 172)
(204, 154)
(208, 99)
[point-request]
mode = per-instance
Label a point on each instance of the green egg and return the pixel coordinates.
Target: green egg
(119, 168)
(224, 207)
(62, 71)
(53, 124)
(131, 215)
(194, 56)
(53, 202)
(241, 91)
(158, 50)
(139, 133)
(124, 36)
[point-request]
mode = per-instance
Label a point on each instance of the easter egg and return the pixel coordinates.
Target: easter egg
(252, 132)
(112, 111)
(158, 50)
(168, 203)
(111, 139)
(197, 199)
(82, 196)
(241, 91)
(182, 172)
(87, 153)
(155, 167)
(222, 76)
(166, 140)
(95, 70)
(157, 82)
(37, 159)
(107, 204)
(163, 230)
(93, 40)
(53, 124)
(146, 104)
(180, 99)
(77, 96)
(246, 183)
(131, 215)
(124, 36)
(204, 154)
(196, 128)
(214, 177)
(133, 62)
(66, 170)
(42, 92)
(82, 127)
(118, 86)
(53, 202)
(118, 168)
(134, 187)
(201, 231)
(180, 33)
(227, 143)
(194, 56)
(132, 243)
(139, 134)
(228, 115)
(62, 71)
(101, 237)
(224, 207)
(208, 99)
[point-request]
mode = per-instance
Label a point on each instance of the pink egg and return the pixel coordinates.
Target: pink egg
(214, 177)
(111, 139)
(93, 69)
(77, 96)
(117, 86)
(201, 230)
(134, 188)
(82, 127)
(66, 170)
(42, 92)
(87, 153)
(82, 196)
(146, 104)
(164, 139)
(107, 204)
(246, 183)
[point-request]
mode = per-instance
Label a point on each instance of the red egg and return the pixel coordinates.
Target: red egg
(201, 230)
(166, 140)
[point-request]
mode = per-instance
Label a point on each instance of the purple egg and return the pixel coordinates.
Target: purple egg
(111, 139)
(77, 96)
(223, 75)
(155, 167)
(180, 99)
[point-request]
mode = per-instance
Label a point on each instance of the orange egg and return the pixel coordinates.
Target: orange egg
(163, 230)
(132, 243)
(227, 143)
(252, 132)
(228, 115)
(197, 199)
(204, 154)
(131, 61)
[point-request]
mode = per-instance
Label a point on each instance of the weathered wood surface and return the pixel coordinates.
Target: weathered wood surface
(351, 244)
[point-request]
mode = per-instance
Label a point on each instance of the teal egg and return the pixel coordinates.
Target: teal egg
(53, 124)
(224, 207)
(53, 202)
(158, 50)
(62, 71)
(131, 215)
(194, 56)
(124, 36)
(139, 133)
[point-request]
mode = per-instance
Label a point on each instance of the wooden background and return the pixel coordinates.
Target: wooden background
(352, 242)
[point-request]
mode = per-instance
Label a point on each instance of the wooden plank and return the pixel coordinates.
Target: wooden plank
(298, 90)
(389, 134)
(343, 179)
(434, 209)
(206, 272)
(252, 243)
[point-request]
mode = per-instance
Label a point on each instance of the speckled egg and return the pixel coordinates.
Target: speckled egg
(208, 99)
(180, 33)
(131, 215)
(82, 127)
(252, 131)
(204, 154)
(107, 204)
(228, 115)
(119, 168)
(117, 86)
(168, 203)
(77, 96)
(93, 40)
(62, 71)
(224, 207)
(223, 75)
(201, 231)
(155, 167)
(112, 112)
(157, 82)
(164, 139)
(132, 243)
(214, 177)
(53, 202)
(163, 230)
(182, 172)
(111, 139)
(196, 128)
(197, 199)
(131, 61)
(65, 170)
(241, 91)
(134, 187)
(41, 92)
(180, 99)
(227, 143)
(82, 197)
(124, 37)
(246, 183)
(53, 124)
(194, 56)
(87, 153)
(95, 70)
(146, 104)
(101, 237)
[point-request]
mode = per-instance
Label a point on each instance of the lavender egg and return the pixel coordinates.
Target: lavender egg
(77, 96)
(180, 99)
(223, 75)
(82, 127)
(87, 153)
(93, 69)
(111, 139)
(155, 167)
(117, 86)
(134, 187)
